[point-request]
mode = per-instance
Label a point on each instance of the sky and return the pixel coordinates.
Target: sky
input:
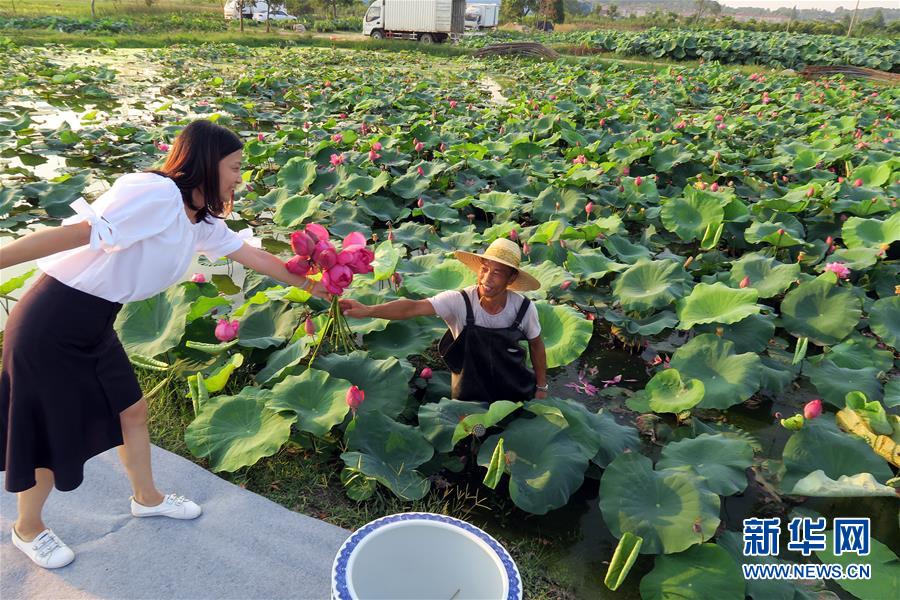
(823, 4)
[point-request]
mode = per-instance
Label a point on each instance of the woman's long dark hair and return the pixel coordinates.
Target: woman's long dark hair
(193, 163)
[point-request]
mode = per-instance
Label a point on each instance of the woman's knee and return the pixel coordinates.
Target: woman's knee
(135, 415)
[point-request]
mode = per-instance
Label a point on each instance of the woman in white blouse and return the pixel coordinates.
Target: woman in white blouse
(136, 240)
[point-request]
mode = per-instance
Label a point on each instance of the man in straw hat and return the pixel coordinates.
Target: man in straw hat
(486, 324)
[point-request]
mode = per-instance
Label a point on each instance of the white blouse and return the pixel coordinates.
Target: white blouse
(142, 241)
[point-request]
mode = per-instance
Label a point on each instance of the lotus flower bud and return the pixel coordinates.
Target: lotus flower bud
(565, 284)
(419, 146)
(260, 137)
(812, 409)
(589, 207)
(745, 282)
(513, 235)
(354, 398)
(638, 181)
(397, 278)
(226, 330)
(199, 278)
(309, 327)
(426, 373)
(714, 187)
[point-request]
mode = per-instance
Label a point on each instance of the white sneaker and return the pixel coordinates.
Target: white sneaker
(46, 550)
(176, 507)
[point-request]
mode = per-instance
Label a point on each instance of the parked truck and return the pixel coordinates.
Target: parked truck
(482, 16)
(428, 21)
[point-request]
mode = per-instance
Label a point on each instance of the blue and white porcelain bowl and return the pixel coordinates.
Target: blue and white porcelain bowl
(423, 556)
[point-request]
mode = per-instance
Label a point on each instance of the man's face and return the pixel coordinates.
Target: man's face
(493, 278)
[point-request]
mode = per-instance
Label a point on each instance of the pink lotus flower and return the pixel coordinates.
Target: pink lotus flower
(302, 244)
(325, 254)
(453, 104)
(299, 265)
(565, 284)
(203, 103)
(420, 203)
(397, 279)
(199, 278)
(337, 138)
(719, 118)
(317, 232)
(443, 147)
(426, 373)
(721, 126)
(681, 125)
(526, 249)
(354, 239)
(579, 160)
(583, 386)
(513, 235)
(355, 398)
(810, 192)
(163, 147)
(227, 331)
(420, 171)
(337, 159)
(307, 125)
(812, 409)
(373, 156)
(626, 170)
(419, 146)
(260, 136)
(744, 282)
(858, 182)
(376, 146)
(343, 115)
(337, 278)
(588, 208)
(839, 269)
(309, 327)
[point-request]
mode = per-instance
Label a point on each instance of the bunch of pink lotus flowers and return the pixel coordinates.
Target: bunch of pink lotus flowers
(314, 253)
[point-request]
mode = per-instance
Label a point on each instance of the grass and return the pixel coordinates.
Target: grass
(307, 480)
(105, 8)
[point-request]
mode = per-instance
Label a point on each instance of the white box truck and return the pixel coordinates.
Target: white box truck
(428, 21)
(482, 16)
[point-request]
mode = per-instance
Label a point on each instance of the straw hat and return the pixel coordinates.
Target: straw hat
(506, 252)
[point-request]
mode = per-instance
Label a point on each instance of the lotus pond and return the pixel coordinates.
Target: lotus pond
(716, 250)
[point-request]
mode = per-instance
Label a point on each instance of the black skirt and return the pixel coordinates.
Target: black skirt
(65, 380)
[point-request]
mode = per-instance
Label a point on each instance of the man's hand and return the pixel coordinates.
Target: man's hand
(318, 290)
(540, 395)
(355, 309)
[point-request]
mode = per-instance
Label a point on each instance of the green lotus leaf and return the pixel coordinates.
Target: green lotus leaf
(820, 445)
(768, 276)
(389, 452)
(403, 338)
(294, 210)
(763, 589)
(834, 382)
(874, 175)
(870, 233)
(451, 275)
(871, 412)
(565, 331)
(266, 325)
(316, 398)
(615, 438)
(498, 202)
(892, 393)
(668, 393)
(353, 184)
(216, 380)
(627, 551)
(545, 464)
(716, 303)
(689, 216)
(859, 352)
(57, 195)
(15, 283)
(385, 382)
(155, 325)
(570, 201)
(884, 320)
(410, 186)
(820, 310)
(722, 459)
(702, 572)
(646, 326)
(819, 485)
(751, 334)
(286, 357)
(496, 412)
(782, 234)
(585, 427)
(237, 431)
(297, 174)
(884, 565)
(592, 266)
(387, 255)
(440, 213)
(855, 259)
(549, 274)
(438, 421)
(670, 509)
(648, 285)
(618, 245)
(728, 378)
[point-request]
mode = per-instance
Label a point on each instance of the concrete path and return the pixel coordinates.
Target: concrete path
(242, 546)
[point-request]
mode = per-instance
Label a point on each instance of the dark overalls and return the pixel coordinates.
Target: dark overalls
(487, 363)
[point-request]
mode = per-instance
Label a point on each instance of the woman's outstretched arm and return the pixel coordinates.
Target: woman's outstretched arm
(44, 243)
